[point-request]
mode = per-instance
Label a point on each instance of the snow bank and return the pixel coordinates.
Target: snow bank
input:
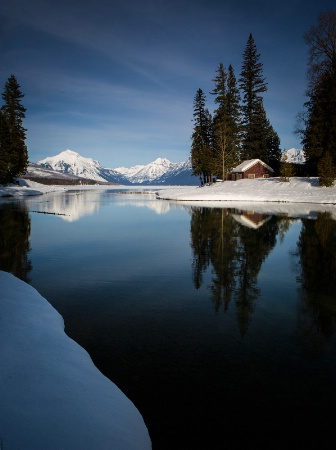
(297, 190)
(26, 188)
(52, 395)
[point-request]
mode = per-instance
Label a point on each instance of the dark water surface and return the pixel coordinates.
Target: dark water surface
(219, 324)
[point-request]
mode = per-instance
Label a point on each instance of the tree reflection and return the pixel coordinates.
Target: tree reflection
(14, 241)
(235, 244)
(317, 255)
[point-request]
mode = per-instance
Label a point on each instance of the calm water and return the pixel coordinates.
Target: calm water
(219, 324)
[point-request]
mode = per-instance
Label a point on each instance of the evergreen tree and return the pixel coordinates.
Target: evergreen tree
(234, 113)
(5, 154)
(252, 84)
(259, 138)
(226, 121)
(12, 135)
(201, 147)
(273, 144)
(319, 133)
(326, 170)
(286, 169)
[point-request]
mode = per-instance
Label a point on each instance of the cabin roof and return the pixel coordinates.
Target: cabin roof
(249, 163)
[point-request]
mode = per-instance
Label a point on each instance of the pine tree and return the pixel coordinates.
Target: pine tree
(319, 133)
(220, 123)
(286, 169)
(201, 148)
(326, 170)
(234, 111)
(226, 121)
(313, 136)
(5, 165)
(273, 144)
(259, 138)
(13, 135)
(252, 84)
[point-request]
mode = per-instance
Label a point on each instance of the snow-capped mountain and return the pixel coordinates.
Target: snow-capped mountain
(75, 164)
(178, 174)
(295, 155)
(150, 172)
(160, 171)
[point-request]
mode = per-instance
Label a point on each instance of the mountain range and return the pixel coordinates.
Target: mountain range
(160, 171)
(75, 169)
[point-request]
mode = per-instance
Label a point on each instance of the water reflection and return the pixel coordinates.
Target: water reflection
(14, 241)
(316, 250)
(235, 244)
(69, 206)
(73, 205)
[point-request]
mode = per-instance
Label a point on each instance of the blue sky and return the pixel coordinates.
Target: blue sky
(115, 80)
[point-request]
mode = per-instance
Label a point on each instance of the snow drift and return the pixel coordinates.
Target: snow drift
(52, 395)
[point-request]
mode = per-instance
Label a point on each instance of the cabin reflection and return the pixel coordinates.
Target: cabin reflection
(250, 219)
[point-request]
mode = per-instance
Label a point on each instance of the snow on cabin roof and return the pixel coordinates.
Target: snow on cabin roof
(249, 163)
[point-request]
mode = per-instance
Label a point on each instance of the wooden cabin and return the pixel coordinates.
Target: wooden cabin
(251, 168)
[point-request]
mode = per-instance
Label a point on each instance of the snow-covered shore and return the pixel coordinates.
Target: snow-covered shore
(52, 395)
(297, 190)
(26, 188)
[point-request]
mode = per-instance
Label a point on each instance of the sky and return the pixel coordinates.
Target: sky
(116, 80)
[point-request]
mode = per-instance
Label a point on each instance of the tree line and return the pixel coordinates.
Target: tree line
(239, 129)
(13, 150)
(318, 121)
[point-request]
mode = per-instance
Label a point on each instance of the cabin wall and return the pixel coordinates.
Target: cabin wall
(256, 171)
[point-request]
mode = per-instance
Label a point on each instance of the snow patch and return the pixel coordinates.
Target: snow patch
(52, 395)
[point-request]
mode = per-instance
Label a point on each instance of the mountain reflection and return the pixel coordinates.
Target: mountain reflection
(69, 206)
(316, 250)
(235, 244)
(14, 241)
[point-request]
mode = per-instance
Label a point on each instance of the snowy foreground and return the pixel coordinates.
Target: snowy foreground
(52, 395)
(297, 190)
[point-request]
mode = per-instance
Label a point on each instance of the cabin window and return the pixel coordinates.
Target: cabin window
(265, 175)
(251, 175)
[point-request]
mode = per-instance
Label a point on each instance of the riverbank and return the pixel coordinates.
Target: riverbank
(297, 190)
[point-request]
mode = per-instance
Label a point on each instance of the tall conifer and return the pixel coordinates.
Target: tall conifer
(319, 134)
(201, 147)
(13, 134)
(259, 138)
(226, 121)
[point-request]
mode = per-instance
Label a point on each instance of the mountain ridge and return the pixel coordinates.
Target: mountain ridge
(160, 171)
